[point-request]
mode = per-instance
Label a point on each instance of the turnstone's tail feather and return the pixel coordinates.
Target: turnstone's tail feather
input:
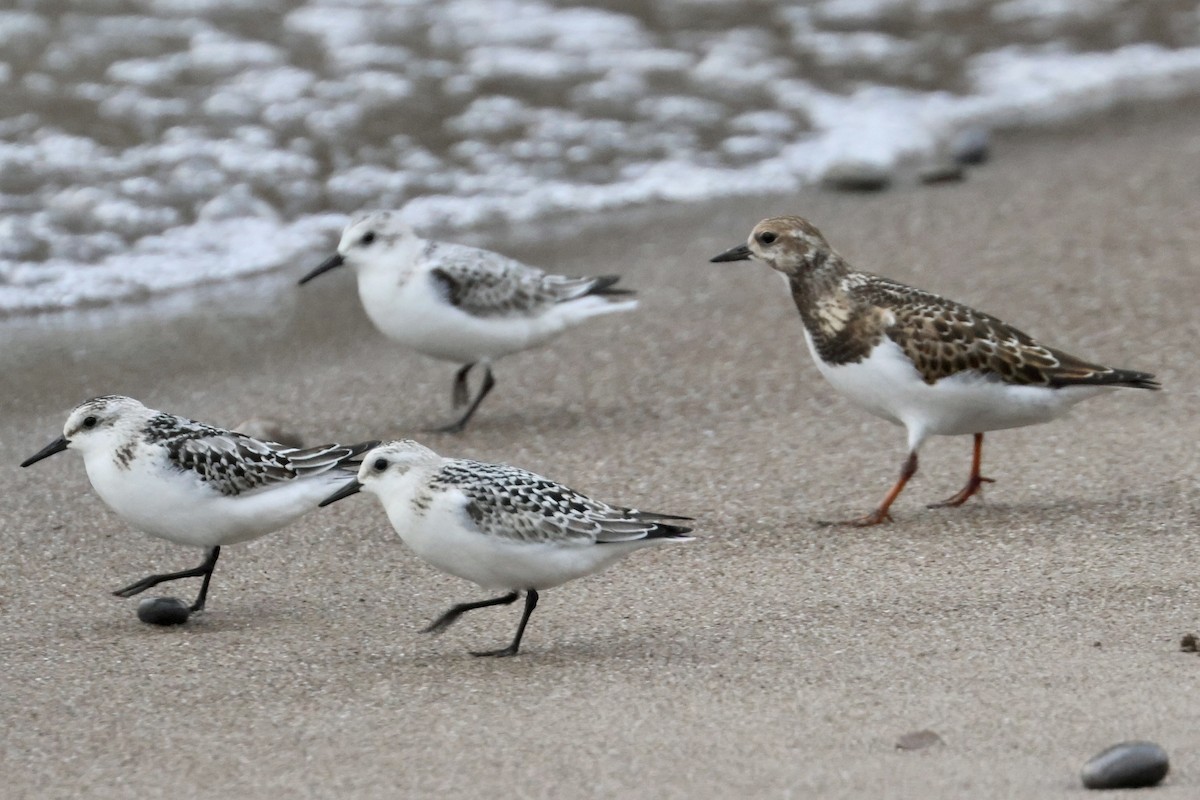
(1072, 371)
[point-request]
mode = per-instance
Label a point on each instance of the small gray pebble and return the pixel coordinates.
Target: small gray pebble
(269, 430)
(856, 176)
(971, 146)
(1128, 765)
(163, 611)
(918, 740)
(942, 172)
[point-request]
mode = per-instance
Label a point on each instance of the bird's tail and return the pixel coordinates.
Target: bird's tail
(1135, 380)
(665, 527)
(605, 286)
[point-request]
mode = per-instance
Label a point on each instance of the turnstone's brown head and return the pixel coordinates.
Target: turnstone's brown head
(788, 244)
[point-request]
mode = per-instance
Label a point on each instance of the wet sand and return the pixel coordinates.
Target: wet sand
(772, 657)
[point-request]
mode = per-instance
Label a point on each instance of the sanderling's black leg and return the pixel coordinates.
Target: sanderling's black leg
(450, 617)
(205, 569)
(461, 422)
(461, 393)
(531, 600)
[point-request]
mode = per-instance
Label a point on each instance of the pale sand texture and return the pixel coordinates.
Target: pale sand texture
(770, 658)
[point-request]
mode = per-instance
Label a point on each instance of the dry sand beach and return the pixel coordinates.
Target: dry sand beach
(772, 657)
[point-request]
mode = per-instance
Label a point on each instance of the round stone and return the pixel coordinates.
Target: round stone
(1128, 765)
(971, 146)
(942, 172)
(163, 611)
(856, 176)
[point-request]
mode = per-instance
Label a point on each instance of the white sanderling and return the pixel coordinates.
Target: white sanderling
(460, 303)
(500, 526)
(935, 366)
(194, 484)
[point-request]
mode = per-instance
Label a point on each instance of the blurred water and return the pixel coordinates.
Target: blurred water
(154, 145)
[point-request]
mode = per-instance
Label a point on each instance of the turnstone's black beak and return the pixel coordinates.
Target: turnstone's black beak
(57, 446)
(739, 253)
(333, 262)
(353, 487)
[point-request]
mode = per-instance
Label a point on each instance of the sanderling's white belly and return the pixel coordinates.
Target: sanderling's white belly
(177, 507)
(444, 537)
(418, 317)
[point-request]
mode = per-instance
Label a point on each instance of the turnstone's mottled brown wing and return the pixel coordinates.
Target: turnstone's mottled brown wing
(943, 337)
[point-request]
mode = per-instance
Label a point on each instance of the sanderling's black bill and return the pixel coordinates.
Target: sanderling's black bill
(333, 262)
(353, 487)
(739, 253)
(57, 446)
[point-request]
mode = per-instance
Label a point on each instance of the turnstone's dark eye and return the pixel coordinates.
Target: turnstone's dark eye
(767, 237)
(368, 237)
(89, 422)
(380, 464)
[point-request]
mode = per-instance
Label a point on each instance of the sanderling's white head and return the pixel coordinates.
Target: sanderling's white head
(384, 465)
(372, 238)
(790, 245)
(101, 423)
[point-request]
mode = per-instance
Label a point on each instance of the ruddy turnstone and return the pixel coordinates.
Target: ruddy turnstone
(935, 366)
(460, 303)
(500, 526)
(194, 484)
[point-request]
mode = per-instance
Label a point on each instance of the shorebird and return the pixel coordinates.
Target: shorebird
(194, 484)
(499, 526)
(935, 366)
(460, 303)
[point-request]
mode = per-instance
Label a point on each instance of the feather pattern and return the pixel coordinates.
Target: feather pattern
(943, 337)
(510, 502)
(236, 464)
(484, 284)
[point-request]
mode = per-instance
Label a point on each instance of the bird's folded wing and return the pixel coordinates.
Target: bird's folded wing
(942, 338)
(234, 464)
(484, 284)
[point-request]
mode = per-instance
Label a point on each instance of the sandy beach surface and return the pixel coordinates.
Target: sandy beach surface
(772, 657)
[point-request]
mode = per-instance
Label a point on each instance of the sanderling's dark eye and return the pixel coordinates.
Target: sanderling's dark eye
(368, 237)
(380, 464)
(767, 237)
(89, 422)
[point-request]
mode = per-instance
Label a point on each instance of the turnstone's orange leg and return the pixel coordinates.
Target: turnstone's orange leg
(881, 514)
(973, 483)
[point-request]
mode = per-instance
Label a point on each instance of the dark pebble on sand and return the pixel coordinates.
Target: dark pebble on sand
(163, 611)
(942, 172)
(1189, 643)
(856, 176)
(971, 146)
(1128, 765)
(918, 740)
